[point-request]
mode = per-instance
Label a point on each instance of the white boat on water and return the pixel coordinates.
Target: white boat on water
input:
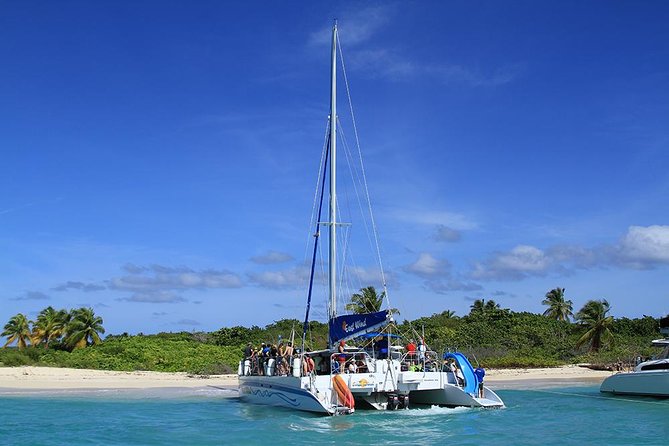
(649, 378)
(377, 373)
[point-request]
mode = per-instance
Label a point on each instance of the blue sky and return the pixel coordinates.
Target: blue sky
(159, 158)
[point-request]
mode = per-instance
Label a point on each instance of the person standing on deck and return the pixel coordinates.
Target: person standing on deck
(480, 373)
(411, 352)
(342, 356)
(421, 350)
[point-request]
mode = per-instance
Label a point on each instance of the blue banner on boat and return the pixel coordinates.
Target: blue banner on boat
(352, 325)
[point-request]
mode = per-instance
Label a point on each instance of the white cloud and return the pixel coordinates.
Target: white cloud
(154, 297)
(383, 63)
(72, 285)
(462, 75)
(32, 295)
(444, 286)
(391, 65)
(159, 277)
(290, 278)
(191, 322)
(272, 257)
(452, 220)
(369, 276)
(646, 246)
(427, 266)
(642, 247)
(356, 27)
(446, 234)
(520, 262)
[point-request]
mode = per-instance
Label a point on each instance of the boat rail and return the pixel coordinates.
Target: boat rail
(427, 361)
(341, 362)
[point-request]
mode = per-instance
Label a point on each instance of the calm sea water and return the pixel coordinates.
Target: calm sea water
(566, 416)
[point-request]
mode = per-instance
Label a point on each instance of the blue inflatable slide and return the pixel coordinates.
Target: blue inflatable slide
(471, 381)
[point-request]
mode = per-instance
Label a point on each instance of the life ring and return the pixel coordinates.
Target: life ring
(344, 395)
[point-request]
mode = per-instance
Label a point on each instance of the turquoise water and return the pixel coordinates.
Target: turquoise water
(566, 416)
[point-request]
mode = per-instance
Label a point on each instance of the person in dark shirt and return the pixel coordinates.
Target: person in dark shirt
(480, 373)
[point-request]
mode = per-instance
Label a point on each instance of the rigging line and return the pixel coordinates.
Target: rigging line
(355, 267)
(318, 181)
(348, 253)
(355, 177)
(364, 176)
(305, 326)
(343, 253)
(345, 277)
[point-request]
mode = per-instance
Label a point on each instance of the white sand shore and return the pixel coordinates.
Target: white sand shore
(51, 378)
(543, 377)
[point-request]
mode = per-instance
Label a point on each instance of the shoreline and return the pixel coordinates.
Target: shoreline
(30, 379)
(545, 377)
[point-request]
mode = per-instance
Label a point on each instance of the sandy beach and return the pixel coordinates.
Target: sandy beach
(52, 378)
(543, 377)
(13, 379)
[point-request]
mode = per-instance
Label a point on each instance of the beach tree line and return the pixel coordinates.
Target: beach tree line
(499, 334)
(63, 329)
(593, 318)
(489, 335)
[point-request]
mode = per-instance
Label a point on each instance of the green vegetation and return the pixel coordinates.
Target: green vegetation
(164, 352)
(489, 335)
(593, 316)
(558, 308)
(367, 301)
(17, 329)
(68, 330)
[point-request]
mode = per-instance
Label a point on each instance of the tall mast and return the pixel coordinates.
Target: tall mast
(332, 275)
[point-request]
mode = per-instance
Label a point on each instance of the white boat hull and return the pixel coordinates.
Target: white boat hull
(314, 393)
(651, 383)
(285, 391)
(451, 395)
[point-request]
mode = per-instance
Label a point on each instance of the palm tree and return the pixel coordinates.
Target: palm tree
(49, 326)
(593, 317)
(84, 328)
(367, 301)
(558, 308)
(18, 329)
(480, 306)
(447, 314)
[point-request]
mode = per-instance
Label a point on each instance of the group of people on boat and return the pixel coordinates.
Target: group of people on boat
(343, 362)
(417, 357)
(270, 359)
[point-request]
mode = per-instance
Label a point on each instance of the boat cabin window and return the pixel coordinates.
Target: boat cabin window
(658, 366)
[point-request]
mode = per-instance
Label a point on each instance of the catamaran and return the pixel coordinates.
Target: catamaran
(378, 373)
